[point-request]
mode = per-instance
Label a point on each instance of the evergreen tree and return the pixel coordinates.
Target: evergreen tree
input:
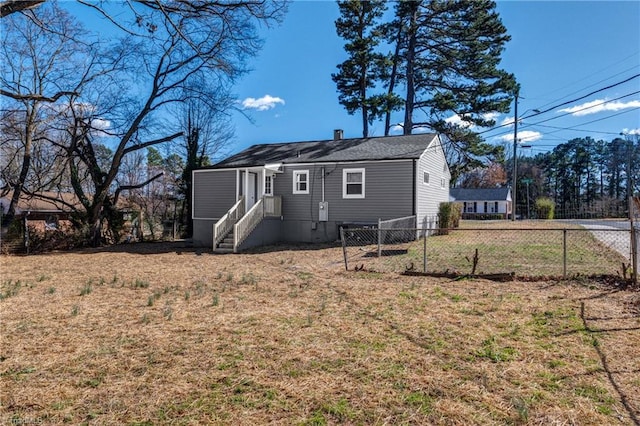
(448, 59)
(358, 76)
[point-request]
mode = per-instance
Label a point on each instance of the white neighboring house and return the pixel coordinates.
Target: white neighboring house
(483, 203)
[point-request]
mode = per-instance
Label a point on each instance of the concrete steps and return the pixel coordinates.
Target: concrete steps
(226, 245)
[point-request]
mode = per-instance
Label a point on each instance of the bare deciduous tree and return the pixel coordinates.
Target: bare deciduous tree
(207, 132)
(127, 89)
(39, 67)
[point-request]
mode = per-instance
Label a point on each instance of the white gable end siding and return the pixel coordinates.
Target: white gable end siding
(429, 196)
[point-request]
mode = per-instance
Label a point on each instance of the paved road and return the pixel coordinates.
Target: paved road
(610, 232)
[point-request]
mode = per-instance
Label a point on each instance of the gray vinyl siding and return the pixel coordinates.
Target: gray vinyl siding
(214, 193)
(388, 192)
(203, 232)
(429, 197)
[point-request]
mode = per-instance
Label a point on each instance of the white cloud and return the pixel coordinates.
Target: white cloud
(490, 116)
(262, 104)
(600, 105)
(631, 131)
(100, 124)
(457, 120)
(397, 128)
(523, 136)
(421, 129)
(508, 121)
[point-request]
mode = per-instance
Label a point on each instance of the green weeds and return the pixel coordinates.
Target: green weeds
(9, 288)
(492, 351)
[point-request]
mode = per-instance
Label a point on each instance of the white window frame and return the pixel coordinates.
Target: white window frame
(443, 183)
(344, 183)
(426, 178)
(268, 185)
(296, 181)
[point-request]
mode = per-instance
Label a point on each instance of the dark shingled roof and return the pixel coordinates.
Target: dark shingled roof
(475, 194)
(357, 149)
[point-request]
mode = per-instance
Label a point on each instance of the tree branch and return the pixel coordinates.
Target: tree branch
(151, 143)
(130, 187)
(37, 97)
(11, 6)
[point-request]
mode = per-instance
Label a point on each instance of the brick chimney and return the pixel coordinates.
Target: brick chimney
(338, 134)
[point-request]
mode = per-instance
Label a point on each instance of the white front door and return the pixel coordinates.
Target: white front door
(249, 188)
(251, 191)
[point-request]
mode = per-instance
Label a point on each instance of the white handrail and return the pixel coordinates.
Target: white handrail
(226, 222)
(266, 206)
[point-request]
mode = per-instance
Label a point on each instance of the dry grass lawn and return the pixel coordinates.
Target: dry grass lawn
(158, 334)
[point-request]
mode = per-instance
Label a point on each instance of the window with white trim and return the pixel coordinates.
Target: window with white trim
(301, 181)
(443, 182)
(268, 185)
(425, 178)
(353, 183)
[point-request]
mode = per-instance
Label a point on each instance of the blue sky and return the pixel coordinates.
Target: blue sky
(560, 51)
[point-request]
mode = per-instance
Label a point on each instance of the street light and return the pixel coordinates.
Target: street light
(514, 181)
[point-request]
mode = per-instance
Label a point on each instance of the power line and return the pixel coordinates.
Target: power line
(574, 128)
(603, 118)
(536, 112)
(598, 82)
(585, 96)
(567, 113)
(566, 128)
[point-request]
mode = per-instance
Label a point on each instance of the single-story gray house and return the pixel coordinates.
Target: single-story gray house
(304, 191)
(483, 203)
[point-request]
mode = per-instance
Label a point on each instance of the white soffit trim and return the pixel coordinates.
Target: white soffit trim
(274, 167)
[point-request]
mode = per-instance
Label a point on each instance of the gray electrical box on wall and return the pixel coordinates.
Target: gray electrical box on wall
(323, 213)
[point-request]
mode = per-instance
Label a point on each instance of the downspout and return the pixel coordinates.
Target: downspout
(246, 188)
(415, 189)
(322, 184)
(237, 184)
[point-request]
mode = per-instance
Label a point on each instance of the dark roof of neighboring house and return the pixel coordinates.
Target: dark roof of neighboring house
(378, 148)
(51, 202)
(477, 194)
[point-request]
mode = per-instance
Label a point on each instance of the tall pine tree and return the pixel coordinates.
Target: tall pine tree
(447, 57)
(358, 76)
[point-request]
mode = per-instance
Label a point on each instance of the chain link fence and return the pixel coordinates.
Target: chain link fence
(567, 251)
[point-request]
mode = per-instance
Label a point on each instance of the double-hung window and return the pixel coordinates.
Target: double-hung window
(353, 183)
(301, 181)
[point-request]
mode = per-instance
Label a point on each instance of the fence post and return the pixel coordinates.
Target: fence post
(344, 248)
(634, 253)
(424, 253)
(379, 238)
(564, 253)
(26, 233)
